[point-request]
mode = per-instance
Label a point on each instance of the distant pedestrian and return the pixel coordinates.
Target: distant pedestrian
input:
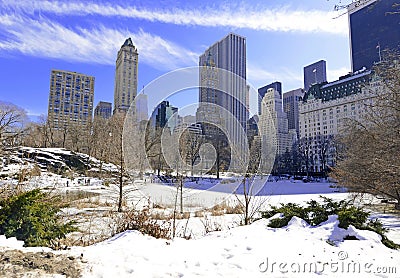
(67, 183)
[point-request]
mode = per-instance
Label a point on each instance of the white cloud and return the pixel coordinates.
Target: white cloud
(281, 20)
(334, 74)
(46, 38)
(258, 77)
(256, 73)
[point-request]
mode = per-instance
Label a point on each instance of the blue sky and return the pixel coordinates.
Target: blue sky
(283, 36)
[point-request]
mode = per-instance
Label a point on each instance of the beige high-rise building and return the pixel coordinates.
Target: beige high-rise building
(126, 76)
(70, 99)
(324, 111)
(273, 123)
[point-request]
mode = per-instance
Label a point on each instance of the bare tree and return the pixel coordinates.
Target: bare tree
(100, 140)
(117, 153)
(153, 147)
(253, 176)
(33, 136)
(219, 140)
(370, 161)
(12, 123)
(75, 136)
(325, 151)
(305, 152)
(40, 134)
(190, 144)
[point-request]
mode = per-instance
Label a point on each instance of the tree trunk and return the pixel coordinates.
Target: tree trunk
(120, 193)
(246, 203)
(218, 164)
(181, 185)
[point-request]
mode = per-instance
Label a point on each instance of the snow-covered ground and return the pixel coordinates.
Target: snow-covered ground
(297, 250)
(247, 251)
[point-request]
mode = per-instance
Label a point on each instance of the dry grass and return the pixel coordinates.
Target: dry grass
(184, 215)
(161, 215)
(199, 213)
(237, 209)
(224, 208)
(210, 225)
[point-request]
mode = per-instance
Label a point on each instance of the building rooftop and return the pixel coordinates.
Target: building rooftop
(345, 86)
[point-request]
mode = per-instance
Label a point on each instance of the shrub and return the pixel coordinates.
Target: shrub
(32, 217)
(377, 227)
(316, 213)
(143, 222)
(288, 210)
(352, 216)
(332, 207)
(279, 222)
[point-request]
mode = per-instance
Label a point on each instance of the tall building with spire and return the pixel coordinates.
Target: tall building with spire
(126, 76)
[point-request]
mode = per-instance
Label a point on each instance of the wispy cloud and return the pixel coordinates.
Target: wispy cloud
(281, 19)
(258, 77)
(256, 73)
(45, 38)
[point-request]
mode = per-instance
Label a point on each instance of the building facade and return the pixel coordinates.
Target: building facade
(273, 123)
(223, 87)
(291, 102)
(373, 28)
(314, 74)
(323, 113)
(70, 99)
(103, 109)
(277, 86)
(126, 76)
(252, 127)
(141, 108)
(165, 115)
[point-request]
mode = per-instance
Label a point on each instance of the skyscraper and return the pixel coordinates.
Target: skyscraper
(314, 74)
(126, 75)
(70, 99)
(291, 101)
(141, 109)
(277, 86)
(373, 28)
(103, 109)
(164, 115)
(225, 89)
(273, 124)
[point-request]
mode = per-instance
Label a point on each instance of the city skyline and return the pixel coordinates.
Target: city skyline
(172, 38)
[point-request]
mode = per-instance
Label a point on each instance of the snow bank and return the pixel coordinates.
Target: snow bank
(12, 243)
(247, 251)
